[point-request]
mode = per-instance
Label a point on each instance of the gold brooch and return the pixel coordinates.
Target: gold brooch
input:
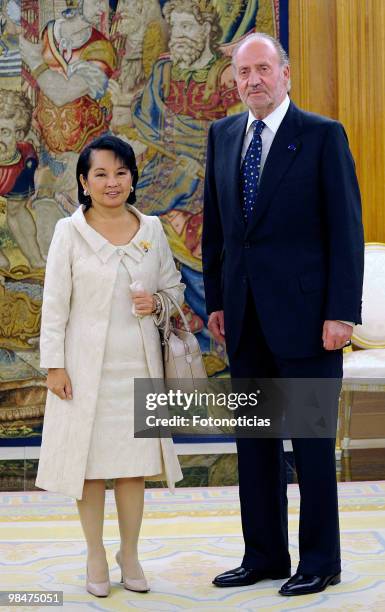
(146, 246)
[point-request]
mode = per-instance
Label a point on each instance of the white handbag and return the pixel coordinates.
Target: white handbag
(182, 356)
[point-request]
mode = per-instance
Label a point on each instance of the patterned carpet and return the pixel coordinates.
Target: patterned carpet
(186, 540)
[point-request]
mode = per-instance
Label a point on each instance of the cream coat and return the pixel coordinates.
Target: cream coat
(79, 282)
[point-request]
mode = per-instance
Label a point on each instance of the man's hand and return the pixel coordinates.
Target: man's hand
(59, 383)
(335, 335)
(216, 325)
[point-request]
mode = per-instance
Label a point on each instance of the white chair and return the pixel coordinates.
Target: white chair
(364, 370)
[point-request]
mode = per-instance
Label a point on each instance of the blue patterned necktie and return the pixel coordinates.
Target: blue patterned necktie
(250, 171)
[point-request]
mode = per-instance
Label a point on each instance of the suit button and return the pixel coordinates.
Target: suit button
(246, 245)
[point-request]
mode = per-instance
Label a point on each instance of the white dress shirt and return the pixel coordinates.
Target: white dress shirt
(272, 123)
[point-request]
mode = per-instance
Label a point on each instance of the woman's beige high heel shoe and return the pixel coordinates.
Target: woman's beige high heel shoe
(99, 589)
(140, 585)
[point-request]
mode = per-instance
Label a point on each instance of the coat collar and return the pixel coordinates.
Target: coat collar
(104, 249)
(235, 135)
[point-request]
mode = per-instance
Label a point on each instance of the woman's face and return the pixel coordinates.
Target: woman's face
(108, 181)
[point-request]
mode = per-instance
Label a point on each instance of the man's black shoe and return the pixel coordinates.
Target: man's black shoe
(243, 576)
(304, 584)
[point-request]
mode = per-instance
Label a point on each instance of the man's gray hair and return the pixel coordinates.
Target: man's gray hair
(282, 55)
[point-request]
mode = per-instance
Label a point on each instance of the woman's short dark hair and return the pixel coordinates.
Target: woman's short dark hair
(121, 149)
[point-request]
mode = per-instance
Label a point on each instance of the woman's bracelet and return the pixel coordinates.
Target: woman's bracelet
(159, 312)
(158, 305)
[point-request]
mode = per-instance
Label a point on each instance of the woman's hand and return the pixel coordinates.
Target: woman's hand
(144, 303)
(59, 383)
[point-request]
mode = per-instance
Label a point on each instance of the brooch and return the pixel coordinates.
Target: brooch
(146, 246)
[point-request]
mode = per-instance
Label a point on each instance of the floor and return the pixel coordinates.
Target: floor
(212, 470)
(186, 540)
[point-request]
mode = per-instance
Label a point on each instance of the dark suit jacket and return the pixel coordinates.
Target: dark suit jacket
(302, 252)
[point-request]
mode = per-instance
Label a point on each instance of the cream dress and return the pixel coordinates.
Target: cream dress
(114, 452)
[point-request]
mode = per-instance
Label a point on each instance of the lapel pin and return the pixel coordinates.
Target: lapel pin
(292, 147)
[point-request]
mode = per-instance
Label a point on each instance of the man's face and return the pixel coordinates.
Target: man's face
(7, 139)
(261, 79)
(188, 38)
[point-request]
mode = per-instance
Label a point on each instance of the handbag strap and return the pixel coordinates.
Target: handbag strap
(166, 323)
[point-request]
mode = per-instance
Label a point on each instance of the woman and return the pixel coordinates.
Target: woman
(94, 345)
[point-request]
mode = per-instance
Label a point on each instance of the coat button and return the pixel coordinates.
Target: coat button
(120, 252)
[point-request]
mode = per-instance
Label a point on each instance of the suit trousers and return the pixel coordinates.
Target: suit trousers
(262, 472)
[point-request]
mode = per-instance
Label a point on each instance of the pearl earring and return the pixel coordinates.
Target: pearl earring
(132, 189)
(85, 192)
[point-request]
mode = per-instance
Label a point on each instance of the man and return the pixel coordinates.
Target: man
(18, 163)
(70, 69)
(71, 66)
(187, 89)
(283, 268)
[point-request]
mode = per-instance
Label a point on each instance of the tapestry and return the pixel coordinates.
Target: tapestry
(71, 70)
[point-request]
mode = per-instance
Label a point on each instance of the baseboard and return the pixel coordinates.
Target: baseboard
(194, 448)
(367, 443)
